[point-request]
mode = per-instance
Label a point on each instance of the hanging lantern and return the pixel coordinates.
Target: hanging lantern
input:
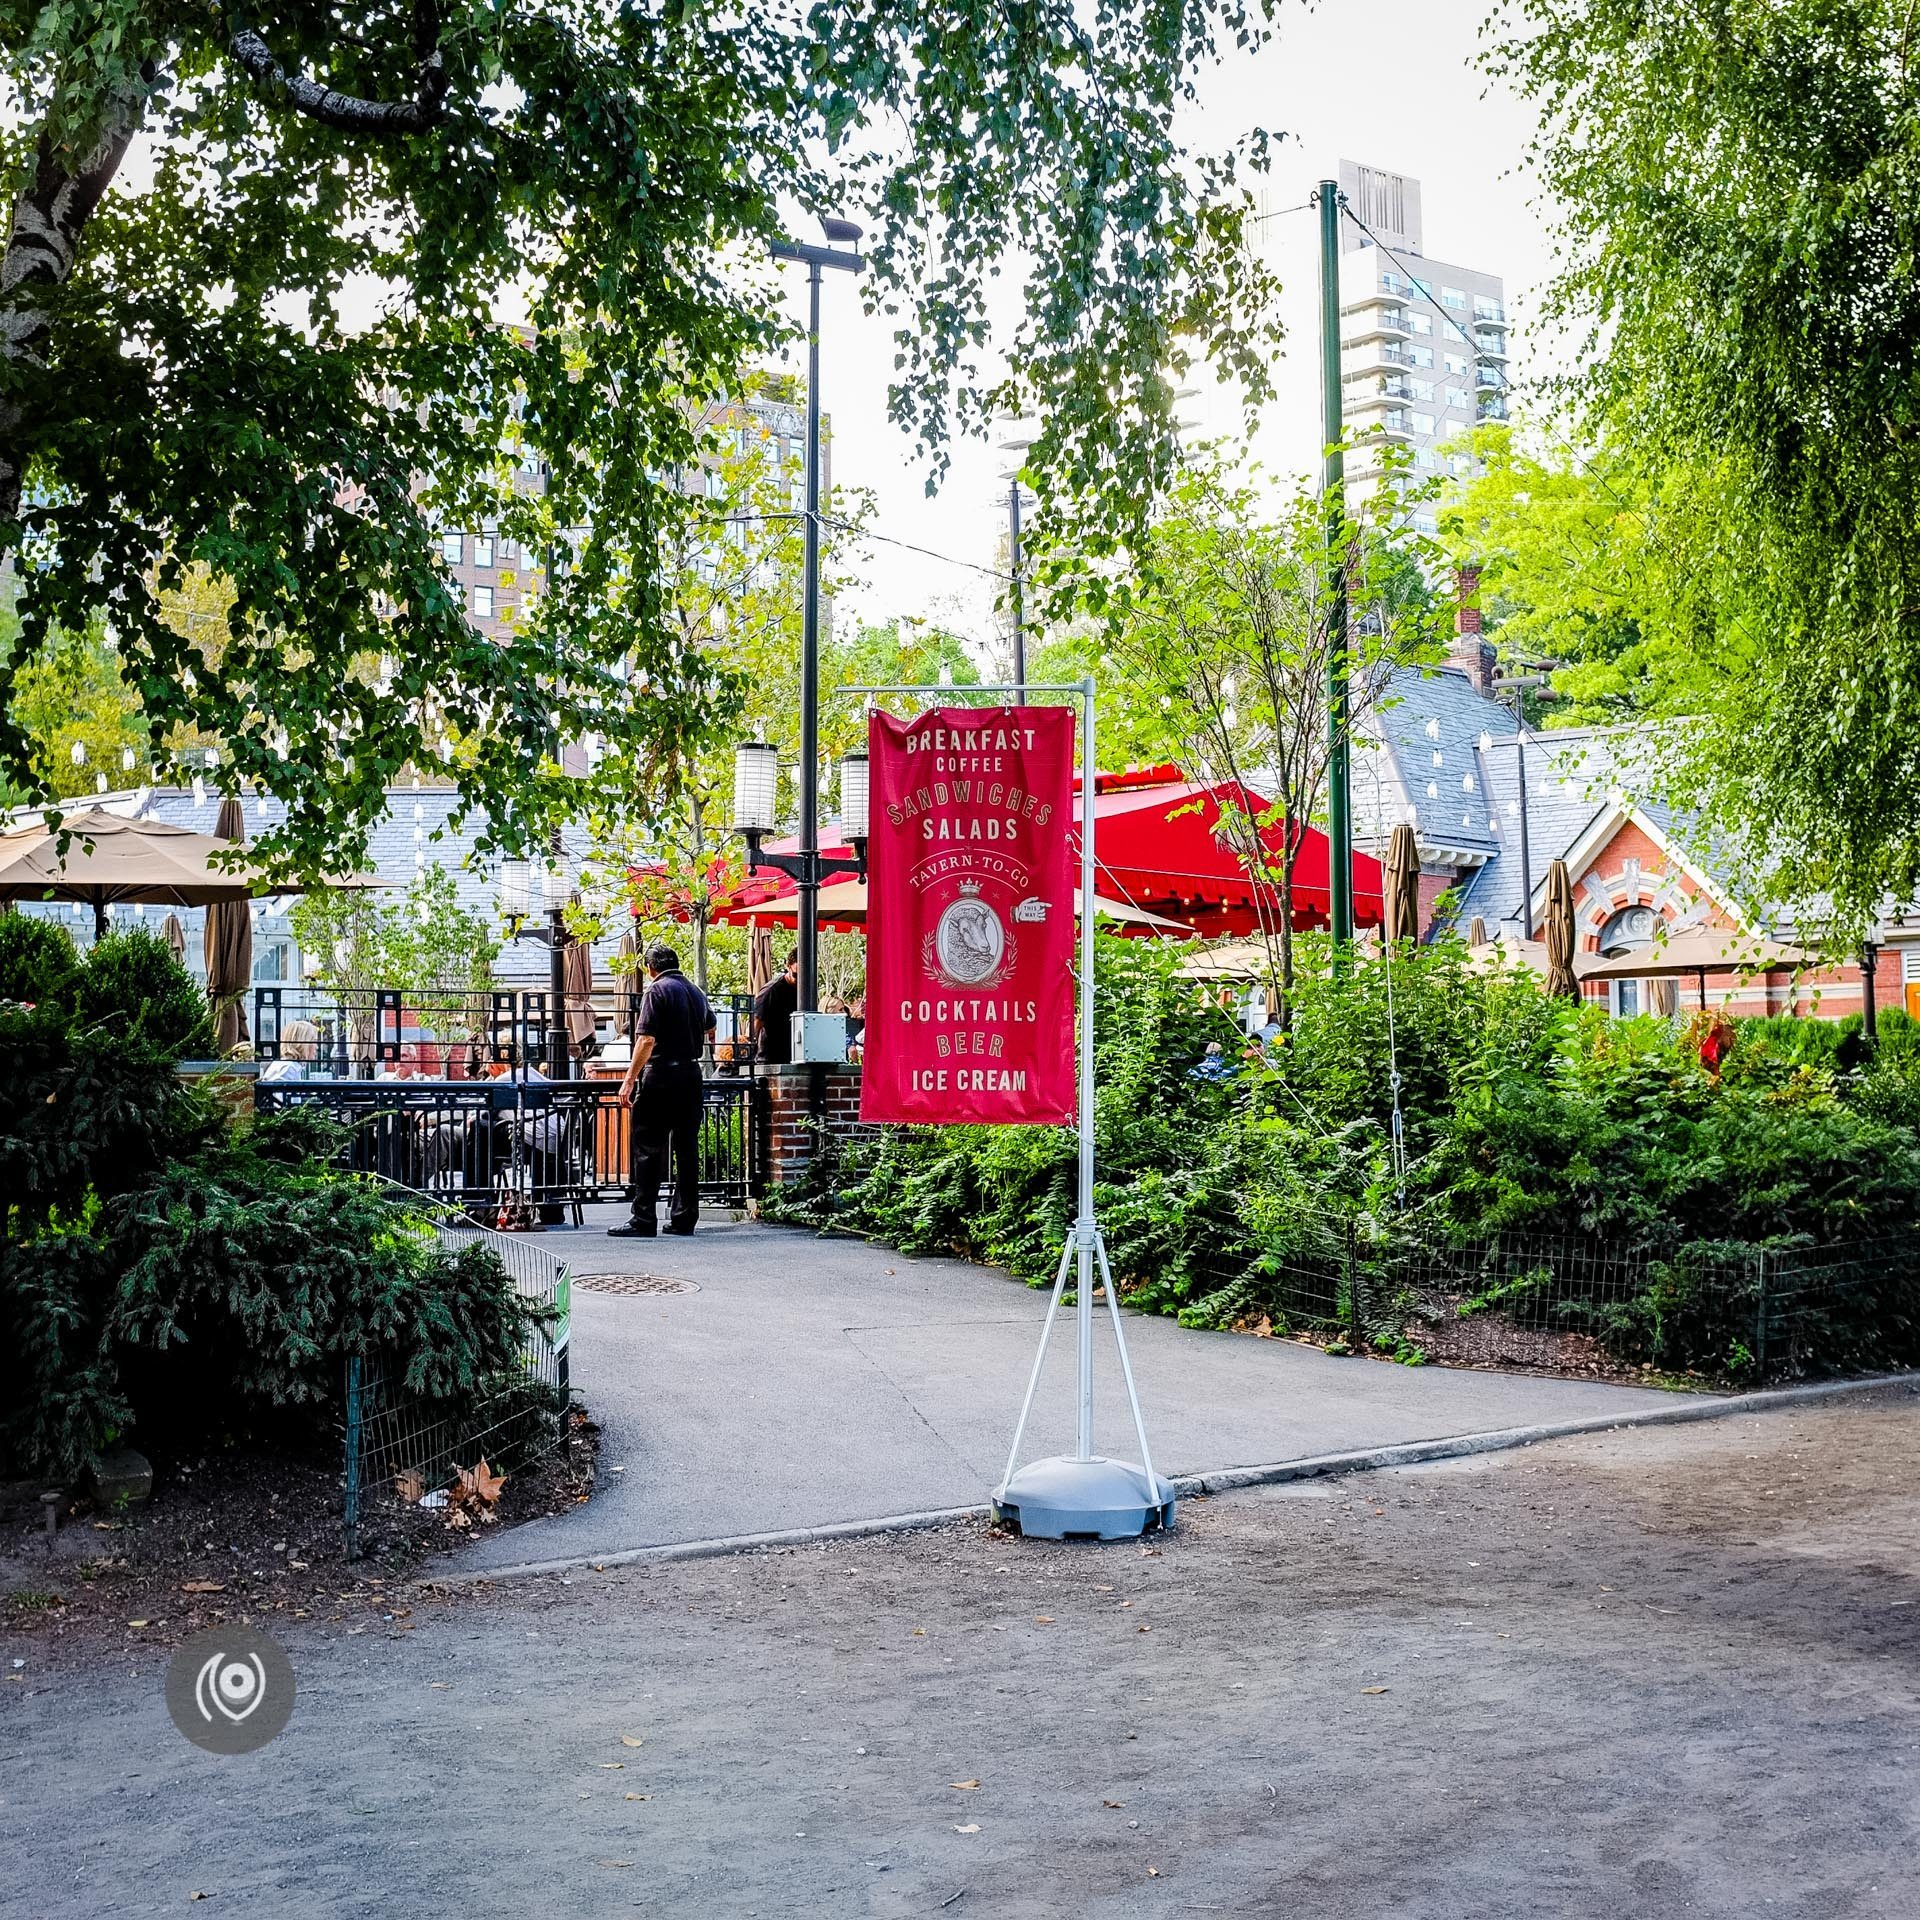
(854, 792)
(756, 786)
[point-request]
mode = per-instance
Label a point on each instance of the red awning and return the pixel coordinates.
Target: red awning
(1158, 844)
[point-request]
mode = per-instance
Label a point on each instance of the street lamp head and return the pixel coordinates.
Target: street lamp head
(515, 888)
(837, 230)
(854, 803)
(756, 786)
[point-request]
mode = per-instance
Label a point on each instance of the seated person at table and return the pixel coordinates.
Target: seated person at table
(299, 1045)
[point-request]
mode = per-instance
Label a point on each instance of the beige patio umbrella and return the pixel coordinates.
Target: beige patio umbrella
(1476, 932)
(1400, 885)
(1557, 934)
(175, 935)
(110, 859)
(1512, 954)
(626, 982)
(846, 901)
(1232, 960)
(1698, 952)
(228, 944)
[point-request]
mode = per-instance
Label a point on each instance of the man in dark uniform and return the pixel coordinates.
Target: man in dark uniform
(663, 1083)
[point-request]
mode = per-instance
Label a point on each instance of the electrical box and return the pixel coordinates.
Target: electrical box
(819, 1036)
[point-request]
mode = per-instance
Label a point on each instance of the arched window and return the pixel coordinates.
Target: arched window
(1624, 932)
(1629, 928)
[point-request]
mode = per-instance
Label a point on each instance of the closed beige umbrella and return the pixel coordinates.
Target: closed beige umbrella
(228, 945)
(1400, 885)
(175, 936)
(1476, 932)
(581, 1024)
(626, 982)
(759, 959)
(1557, 934)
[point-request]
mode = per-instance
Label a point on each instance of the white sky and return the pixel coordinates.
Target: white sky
(1388, 82)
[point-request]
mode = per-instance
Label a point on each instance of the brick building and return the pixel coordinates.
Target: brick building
(1442, 754)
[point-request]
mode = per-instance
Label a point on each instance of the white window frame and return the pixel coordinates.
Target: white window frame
(453, 548)
(483, 603)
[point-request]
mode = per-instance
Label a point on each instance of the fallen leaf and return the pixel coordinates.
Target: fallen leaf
(919, 1633)
(636, 1796)
(613, 1863)
(627, 1740)
(972, 1826)
(1143, 1629)
(441, 1686)
(963, 1786)
(1113, 1803)
(137, 1623)
(203, 1586)
(613, 1766)
(409, 1486)
(1043, 1619)
(1373, 1689)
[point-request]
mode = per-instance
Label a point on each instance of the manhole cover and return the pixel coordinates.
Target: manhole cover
(632, 1283)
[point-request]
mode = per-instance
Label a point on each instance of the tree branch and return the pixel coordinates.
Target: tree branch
(345, 111)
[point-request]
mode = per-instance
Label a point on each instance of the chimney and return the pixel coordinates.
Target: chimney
(1472, 653)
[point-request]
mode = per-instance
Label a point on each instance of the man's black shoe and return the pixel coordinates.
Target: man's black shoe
(630, 1233)
(682, 1230)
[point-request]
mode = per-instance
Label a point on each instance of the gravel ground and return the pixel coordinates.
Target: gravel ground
(1648, 1673)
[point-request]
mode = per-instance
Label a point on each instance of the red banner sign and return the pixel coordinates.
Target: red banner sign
(970, 917)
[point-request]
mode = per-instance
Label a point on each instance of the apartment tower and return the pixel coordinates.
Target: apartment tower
(1423, 344)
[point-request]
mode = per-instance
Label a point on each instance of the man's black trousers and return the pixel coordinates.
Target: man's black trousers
(666, 1120)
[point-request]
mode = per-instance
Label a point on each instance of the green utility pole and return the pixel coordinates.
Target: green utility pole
(1333, 497)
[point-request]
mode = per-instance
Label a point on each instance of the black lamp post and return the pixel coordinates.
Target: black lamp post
(814, 258)
(515, 904)
(756, 783)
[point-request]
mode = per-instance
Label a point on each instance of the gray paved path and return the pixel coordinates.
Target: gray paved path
(810, 1381)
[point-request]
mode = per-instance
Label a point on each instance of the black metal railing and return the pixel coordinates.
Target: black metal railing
(364, 1032)
(548, 1146)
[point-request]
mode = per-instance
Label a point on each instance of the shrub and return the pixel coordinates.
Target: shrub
(37, 962)
(168, 1271)
(132, 980)
(1520, 1115)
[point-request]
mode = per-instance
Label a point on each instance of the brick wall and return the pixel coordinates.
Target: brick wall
(792, 1103)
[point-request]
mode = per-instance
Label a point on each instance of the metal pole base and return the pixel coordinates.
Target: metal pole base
(1097, 1499)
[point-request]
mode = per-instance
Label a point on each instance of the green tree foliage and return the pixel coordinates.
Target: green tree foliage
(1587, 564)
(280, 359)
(1739, 186)
(1217, 657)
(71, 695)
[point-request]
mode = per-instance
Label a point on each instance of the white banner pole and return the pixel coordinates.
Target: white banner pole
(1085, 1496)
(1084, 1229)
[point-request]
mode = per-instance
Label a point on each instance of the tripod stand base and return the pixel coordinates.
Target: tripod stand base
(1067, 1499)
